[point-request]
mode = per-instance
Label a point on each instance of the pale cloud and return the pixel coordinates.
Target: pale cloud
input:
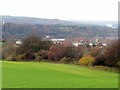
(106, 10)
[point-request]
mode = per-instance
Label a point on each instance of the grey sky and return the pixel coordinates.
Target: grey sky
(102, 10)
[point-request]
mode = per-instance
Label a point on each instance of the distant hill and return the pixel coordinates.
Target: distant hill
(20, 27)
(29, 20)
(101, 23)
(32, 20)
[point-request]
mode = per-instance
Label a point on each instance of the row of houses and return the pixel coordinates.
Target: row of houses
(77, 41)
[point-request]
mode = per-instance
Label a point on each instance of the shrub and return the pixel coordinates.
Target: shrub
(78, 52)
(37, 57)
(70, 52)
(96, 51)
(50, 56)
(118, 63)
(11, 58)
(66, 60)
(43, 54)
(56, 52)
(100, 60)
(98, 54)
(8, 50)
(112, 54)
(33, 43)
(75, 62)
(87, 60)
(29, 56)
(20, 58)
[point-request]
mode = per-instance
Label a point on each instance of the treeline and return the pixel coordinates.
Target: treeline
(57, 31)
(35, 49)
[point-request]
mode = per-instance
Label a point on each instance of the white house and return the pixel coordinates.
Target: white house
(90, 44)
(18, 42)
(58, 41)
(104, 44)
(76, 44)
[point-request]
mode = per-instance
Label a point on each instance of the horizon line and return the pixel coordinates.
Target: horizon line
(77, 20)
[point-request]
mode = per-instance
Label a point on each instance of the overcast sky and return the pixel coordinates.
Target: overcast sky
(102, 10)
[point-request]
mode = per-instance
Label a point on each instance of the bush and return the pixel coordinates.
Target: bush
(11, 58)
(43, 54)
(75, 62)
(33, 43)
(87, 60)
(98, 54)
(29, 56)
(66, 60)
(70, 52)
(50, 56)
(8, 51)
(100, 60)
(78, 52)
(56, 52)
(37, 57)
(20, 58)
(96, 51)
(112, 54)
(118, 63)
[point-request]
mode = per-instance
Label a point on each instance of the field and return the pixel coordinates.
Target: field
(51, 75)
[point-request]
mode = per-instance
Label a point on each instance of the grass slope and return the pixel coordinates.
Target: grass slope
(50, 75)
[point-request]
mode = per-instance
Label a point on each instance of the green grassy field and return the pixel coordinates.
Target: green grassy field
(50, 75)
